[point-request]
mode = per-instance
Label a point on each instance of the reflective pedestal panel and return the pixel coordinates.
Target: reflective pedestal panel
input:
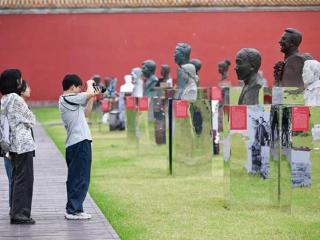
(305, 165)
(152, 126)
(290, 149)
(250, 172)
(132, 128)
(280, 136)
(192, 146)
(220, 140)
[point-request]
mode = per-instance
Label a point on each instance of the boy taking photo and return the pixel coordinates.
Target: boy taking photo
(75, 106)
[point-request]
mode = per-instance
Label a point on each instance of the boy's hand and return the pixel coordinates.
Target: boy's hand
(90, 88)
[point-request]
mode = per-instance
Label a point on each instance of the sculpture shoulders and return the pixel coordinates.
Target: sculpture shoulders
(292, 72)
(152, 80)
(254, 89)
(251, 95)
(296, 58)
(190, 92)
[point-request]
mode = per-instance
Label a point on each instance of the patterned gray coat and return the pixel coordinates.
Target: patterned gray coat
(21, 121)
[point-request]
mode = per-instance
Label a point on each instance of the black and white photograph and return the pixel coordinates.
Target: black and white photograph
(300, 167)
(258, 145)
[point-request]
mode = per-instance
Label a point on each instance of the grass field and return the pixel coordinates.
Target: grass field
(133, 189)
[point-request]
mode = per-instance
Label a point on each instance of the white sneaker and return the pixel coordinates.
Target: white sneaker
(71, 216)
(77, 216)
(84, 215)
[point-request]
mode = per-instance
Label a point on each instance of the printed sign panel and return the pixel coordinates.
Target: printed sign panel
(238, 117)
(300, 119)
(105, 107)
(216, 94)
(181, 109)
(130, 102)
(143, 104)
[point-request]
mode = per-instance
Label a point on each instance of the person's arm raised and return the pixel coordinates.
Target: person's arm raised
(91, 93)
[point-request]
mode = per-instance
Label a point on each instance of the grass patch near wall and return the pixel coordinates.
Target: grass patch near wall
(134, 191)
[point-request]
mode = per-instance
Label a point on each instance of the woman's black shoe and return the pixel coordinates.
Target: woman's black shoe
(23, 221)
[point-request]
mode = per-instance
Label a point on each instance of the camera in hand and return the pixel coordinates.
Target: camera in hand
(97, 88)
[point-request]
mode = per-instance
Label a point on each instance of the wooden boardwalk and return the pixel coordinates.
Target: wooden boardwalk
(49, 199)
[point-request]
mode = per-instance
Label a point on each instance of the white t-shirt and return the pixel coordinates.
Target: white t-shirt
(71, 108)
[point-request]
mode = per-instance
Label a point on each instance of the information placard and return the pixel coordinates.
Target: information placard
(216, 93)
(300, 118)
(181, 109)
(143, 104)
(130, 102)
(238, 117)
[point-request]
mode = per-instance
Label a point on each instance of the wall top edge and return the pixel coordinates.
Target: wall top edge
(155, 10)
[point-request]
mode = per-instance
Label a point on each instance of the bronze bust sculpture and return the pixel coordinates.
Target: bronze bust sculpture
(181, 57)
(148, 73)
(288, 73)
(223, 68)
(248, 62)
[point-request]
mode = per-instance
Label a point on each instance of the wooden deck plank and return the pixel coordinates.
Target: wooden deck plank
(49, 200)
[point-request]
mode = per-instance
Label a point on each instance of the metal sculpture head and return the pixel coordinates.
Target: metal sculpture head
(148, 68)
(165, 71)
(248, 62)
(182, 53)
(223, 66)
(290, 41)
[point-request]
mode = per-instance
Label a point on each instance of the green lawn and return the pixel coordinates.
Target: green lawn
(134, 191)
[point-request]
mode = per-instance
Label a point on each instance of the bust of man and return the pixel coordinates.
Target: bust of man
(148, 71)
(248, 62)
(181, 57)
(288, 73)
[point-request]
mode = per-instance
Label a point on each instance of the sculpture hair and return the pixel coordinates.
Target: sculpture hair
(225, 63)
(253, 56)
(165, 66)
(296, 36)
(150, 65)
(185, 48)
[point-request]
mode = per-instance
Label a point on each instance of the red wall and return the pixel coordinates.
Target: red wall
(46, 47)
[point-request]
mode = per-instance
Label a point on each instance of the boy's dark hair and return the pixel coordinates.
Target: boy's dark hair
(9, 81)
(70, 80)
